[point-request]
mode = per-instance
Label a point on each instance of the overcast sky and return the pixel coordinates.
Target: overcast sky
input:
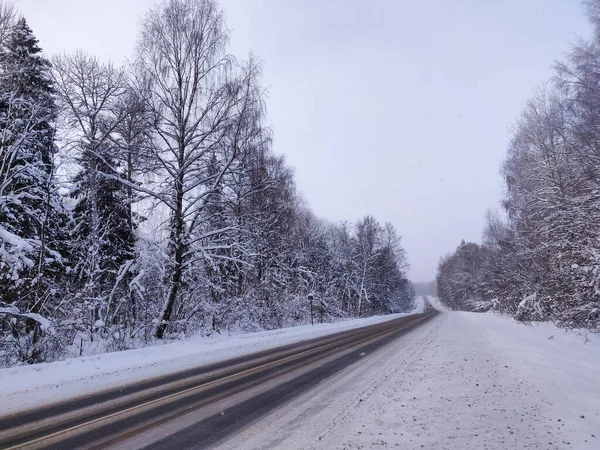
(396, 108)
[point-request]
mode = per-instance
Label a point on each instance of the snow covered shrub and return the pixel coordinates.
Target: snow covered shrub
(530, 309)
(584, 316)
(481, 306)
(27, 338)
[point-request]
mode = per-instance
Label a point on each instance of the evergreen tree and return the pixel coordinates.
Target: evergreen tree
(31, 213)
(103, 240)
(102, 233)
(27, 112)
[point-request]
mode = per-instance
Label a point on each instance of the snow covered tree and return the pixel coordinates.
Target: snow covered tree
(102, 244)
(459, 278)
(132, 139)
(393, 292)
(31, 214)
(268, 211)
(8, 18)
(367, 234)
(542, 262)
(199, 108)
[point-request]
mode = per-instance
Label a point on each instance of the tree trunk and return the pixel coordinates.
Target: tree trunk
(178, 239)
(173, 291)
(129, 275)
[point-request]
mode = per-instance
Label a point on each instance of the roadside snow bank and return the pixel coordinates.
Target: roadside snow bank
(435, 302)
(419, 304)
(565, 366)
(25, 387)
(423, 301)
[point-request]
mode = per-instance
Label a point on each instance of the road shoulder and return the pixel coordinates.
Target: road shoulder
(454, 383)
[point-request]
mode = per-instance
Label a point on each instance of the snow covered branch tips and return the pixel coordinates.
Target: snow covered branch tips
(146, 202)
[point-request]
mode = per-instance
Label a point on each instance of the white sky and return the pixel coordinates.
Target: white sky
(400, 109)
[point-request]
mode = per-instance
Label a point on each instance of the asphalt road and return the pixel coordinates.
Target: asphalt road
(199, 407)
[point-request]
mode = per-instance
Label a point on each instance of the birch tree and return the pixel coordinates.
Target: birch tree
(195, 101)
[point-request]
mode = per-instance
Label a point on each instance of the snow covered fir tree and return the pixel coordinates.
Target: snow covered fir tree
(147, 202)
(32, 217)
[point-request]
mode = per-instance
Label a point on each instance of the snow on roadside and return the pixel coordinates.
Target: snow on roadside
(26, 387)
(465, 380)
(420, 304)
(565, 366)
(434, 301)
(421, 300)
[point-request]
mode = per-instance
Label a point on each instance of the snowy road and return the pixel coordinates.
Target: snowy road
(31, 386)
(462, 381)
(199, 406)
(458, 380)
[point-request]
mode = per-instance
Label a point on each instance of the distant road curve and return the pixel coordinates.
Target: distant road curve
(198, 407)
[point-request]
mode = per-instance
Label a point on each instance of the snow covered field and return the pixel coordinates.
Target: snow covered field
(464, 380)
(25, 387)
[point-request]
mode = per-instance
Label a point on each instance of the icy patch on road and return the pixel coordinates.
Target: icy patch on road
(26, 387)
